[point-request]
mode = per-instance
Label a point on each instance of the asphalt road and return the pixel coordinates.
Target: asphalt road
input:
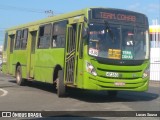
(36, 96)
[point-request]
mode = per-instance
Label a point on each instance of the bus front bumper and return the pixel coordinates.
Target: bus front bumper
(100, 83)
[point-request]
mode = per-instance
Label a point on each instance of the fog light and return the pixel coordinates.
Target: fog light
(146, 72)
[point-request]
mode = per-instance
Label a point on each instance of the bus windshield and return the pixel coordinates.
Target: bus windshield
(118, 42)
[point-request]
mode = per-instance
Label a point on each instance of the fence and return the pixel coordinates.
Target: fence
(155, 64)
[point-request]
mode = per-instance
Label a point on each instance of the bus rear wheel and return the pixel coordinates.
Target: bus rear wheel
(61, 89)
(19, 80)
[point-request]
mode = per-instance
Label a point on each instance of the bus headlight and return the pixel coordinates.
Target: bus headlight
(90, 69)
(146, 72)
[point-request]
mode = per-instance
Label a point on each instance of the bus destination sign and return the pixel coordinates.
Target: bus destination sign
(118, 15)
(114, 16)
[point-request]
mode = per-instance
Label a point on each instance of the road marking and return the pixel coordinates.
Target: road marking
(4, 92)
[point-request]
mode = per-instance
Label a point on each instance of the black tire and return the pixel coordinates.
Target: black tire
(61, 89)
(112, 94)
(19, 80)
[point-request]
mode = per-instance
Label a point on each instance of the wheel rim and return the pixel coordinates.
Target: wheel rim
(18, 76)
(57, 83)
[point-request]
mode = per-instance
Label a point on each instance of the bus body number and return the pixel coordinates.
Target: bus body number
(112, 74)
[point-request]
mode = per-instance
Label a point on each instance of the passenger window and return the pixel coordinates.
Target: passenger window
(18, 39)
(5, 42)
(11, 43)
(34, 35)
(24, 38)
(59, 32)
(44, 36)
(21, 39)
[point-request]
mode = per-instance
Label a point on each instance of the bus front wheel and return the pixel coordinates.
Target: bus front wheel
(61, 90)
(19, 80)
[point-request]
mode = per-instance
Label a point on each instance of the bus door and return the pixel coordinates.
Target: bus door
(72, 60)
(32, 53)
(10, 53)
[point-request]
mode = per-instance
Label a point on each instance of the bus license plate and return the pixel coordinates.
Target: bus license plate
(112, 74)
(119, 84)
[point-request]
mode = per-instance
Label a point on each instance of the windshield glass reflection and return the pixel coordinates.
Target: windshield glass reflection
(117, 42)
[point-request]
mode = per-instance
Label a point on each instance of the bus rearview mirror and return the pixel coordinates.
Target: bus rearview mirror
(85, 32)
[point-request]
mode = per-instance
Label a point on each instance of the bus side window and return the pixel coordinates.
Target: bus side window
(18, 39)
(59, 32)
(24, 38)
(21, 39)
(11, 43)
(44, 36)
(5, 42)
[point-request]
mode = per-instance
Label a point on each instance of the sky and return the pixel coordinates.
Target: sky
(16, 12)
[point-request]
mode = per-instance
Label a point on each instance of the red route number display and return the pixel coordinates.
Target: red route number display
(114, 16)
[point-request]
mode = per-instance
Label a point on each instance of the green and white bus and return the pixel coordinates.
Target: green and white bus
(93, 48)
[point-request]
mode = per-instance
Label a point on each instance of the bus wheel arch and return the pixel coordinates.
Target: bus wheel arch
(58, 79)
(55, 72)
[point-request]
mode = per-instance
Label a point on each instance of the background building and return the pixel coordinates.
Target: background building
(0, 48)
(155, 52)
(155, 36)
(1, 54)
